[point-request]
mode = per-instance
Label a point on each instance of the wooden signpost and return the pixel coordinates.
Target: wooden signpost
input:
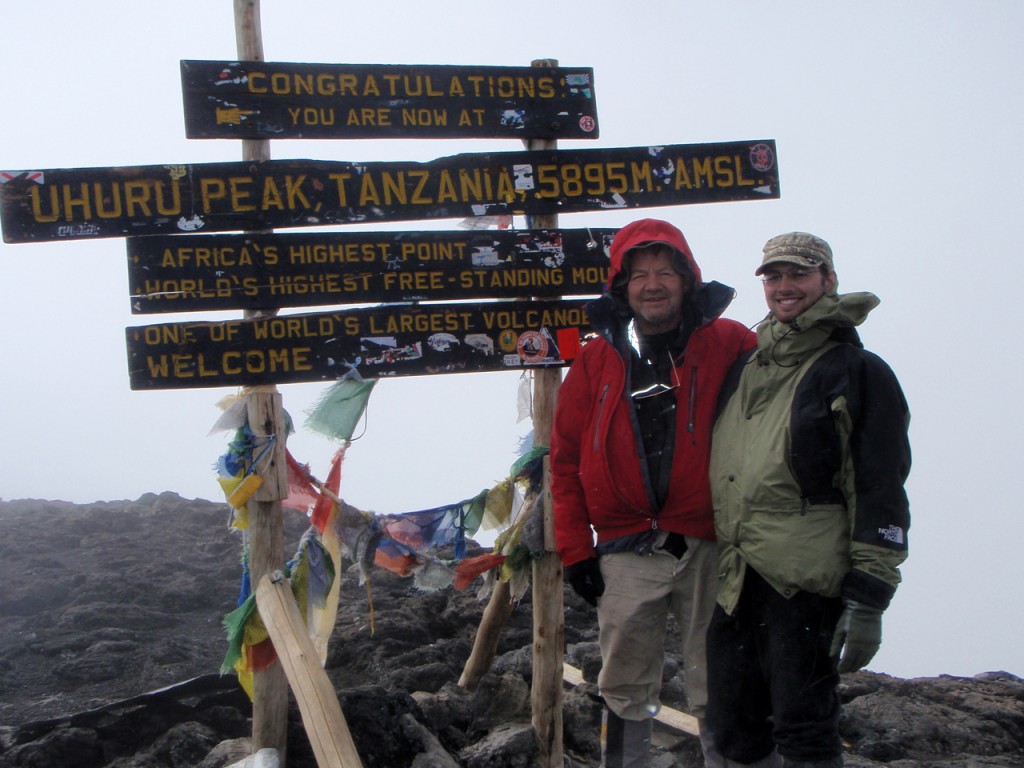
(255, 99)
(200, 272)
(218, 197)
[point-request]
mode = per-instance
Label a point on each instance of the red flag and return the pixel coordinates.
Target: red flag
(469, 569)
(322, 511)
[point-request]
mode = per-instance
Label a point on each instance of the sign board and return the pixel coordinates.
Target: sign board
(239, 196)
(260, 100)
(195, 272)
(388, 340)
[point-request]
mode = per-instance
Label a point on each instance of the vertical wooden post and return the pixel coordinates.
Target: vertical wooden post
(548, 642)
(548, 618)
(266, 420)
(266, 555)
(548, 610)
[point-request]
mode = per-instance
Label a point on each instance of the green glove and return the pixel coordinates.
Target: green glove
(858, 636)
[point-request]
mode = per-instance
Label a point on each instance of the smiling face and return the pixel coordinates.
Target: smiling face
(790, 290)
(655, 290)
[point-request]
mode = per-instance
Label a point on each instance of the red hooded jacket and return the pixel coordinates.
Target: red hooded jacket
(598, 469)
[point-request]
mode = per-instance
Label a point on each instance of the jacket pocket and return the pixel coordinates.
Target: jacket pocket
(796, 550)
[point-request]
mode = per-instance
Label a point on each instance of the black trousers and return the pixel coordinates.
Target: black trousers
(771, 681)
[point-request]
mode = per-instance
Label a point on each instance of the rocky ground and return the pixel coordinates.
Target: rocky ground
(111, 638)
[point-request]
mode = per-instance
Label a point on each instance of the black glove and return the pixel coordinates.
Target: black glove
(586, 579)
(858, 636)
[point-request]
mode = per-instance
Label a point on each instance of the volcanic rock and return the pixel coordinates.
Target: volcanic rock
(111, 641)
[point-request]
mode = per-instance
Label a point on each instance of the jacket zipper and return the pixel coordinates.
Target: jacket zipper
(691, 424)
(601, 402)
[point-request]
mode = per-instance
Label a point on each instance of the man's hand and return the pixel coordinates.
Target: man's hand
(586, 579)
(858, 636)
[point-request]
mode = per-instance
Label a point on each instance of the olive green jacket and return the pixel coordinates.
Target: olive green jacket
(808, 462)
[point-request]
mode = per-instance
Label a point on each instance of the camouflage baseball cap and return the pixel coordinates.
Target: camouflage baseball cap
(800, 248)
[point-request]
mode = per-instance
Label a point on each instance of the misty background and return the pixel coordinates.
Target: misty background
(897, 128)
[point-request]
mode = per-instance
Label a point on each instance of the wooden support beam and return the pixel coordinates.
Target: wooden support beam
(548, 610)
(266, 418)
(485, 644)
(322, 717)
(671, 718)
(266, 555)
(548, 643)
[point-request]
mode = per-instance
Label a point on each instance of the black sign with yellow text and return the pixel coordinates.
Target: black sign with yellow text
(388, 340)
(194, 272)
(261, 100)
(217, 197)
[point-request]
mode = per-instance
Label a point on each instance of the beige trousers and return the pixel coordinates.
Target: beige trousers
(640, 590)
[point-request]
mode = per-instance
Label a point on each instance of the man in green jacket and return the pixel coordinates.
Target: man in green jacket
(809, 459)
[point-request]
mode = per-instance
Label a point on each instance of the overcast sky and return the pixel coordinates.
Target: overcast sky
(898, 129)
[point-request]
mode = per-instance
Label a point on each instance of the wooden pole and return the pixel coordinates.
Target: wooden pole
(266, 420)
(548, 610)
(548, 643)
(545, 390)
(266, 555)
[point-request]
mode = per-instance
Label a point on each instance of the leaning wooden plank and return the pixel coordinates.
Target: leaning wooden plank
(485, 646)
(570, 674)
(673, 718)
(677, 720)
(318, 703)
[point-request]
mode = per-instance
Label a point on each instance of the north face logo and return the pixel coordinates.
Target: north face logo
(893, 533)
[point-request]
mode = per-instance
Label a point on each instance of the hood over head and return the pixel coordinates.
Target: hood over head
(610, 313)
(645, 232)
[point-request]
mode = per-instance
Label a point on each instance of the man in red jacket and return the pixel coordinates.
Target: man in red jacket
(629, 463)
